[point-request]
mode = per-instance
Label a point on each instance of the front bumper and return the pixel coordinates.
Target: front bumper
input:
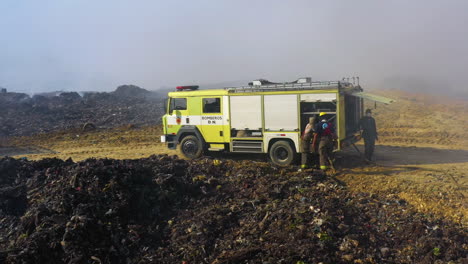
(169, 140)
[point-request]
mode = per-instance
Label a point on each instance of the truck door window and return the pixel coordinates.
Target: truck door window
(212, 105)
(178, 104)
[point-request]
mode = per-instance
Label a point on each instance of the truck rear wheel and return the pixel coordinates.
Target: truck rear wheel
(282, 153)
(191, 147)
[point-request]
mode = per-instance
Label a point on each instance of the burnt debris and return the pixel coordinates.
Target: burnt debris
(22, 115)
(165, 210)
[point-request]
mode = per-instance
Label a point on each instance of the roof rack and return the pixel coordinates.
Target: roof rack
(318, 85)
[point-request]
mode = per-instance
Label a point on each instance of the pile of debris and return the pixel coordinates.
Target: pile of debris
(166, 210)
(23, 115)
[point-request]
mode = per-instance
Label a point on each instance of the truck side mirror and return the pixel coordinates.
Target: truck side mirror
(166, 102)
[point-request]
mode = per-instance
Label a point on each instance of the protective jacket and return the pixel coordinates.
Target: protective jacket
(369, 130)
(309, 129)
(325, 129)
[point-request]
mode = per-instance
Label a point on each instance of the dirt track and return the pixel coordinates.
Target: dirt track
(398, 155)
(433, 180)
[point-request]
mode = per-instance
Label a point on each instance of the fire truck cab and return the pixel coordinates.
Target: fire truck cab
(263, 117)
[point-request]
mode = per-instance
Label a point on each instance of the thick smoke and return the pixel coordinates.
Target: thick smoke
(97, 45)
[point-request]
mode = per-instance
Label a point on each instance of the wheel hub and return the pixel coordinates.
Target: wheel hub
(282, 154)
(190, 147)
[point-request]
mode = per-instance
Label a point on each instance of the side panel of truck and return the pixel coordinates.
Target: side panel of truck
(246, 112)
(281, 112)
(293, 137)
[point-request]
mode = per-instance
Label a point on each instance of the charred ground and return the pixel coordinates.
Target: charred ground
(165, 210)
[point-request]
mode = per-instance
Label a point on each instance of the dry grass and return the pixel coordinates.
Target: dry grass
(423, 120)
(119, 143)
(431, 189)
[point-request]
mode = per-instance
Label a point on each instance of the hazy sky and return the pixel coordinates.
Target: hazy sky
(99, 44)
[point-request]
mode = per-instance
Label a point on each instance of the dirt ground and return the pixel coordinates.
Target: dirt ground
(433, 180)
(118, 143)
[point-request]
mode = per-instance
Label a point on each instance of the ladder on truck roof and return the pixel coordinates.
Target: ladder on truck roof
(290, 87)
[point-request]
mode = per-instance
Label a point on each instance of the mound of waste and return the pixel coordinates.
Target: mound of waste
(22, 115)
(131, 91)
(165, 210)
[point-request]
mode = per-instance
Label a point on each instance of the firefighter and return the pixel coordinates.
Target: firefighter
(325, 136)
(369, 133)
(306, 143)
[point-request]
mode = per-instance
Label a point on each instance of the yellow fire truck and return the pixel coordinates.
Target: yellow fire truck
(262, 117)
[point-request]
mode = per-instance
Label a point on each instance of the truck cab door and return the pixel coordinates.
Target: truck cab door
(212, 119)
(176, 115)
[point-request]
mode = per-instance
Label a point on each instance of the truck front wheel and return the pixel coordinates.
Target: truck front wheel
(282, 153)
(191, 147)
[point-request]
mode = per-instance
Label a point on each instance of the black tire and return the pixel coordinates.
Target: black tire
(191, 147)
(282, 153)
